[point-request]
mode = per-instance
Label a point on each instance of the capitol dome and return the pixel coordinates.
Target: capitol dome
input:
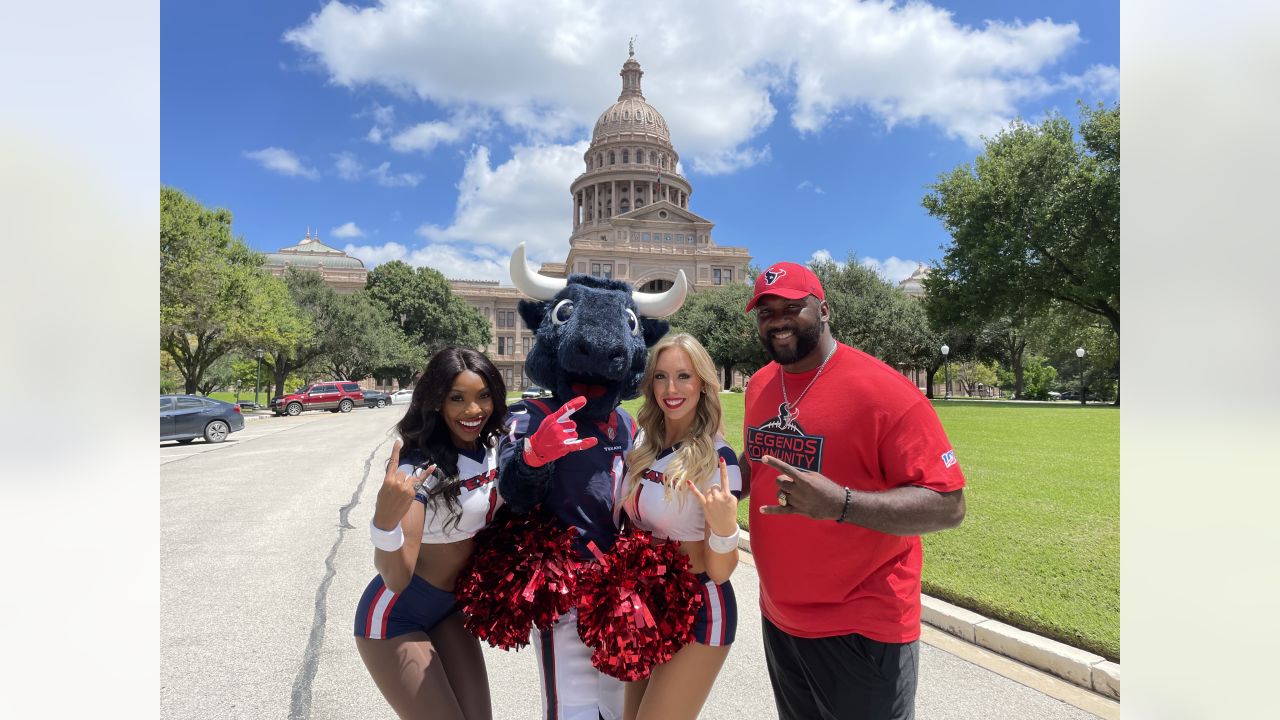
(631, 114)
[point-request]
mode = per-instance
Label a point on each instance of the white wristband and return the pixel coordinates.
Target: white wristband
(387, 540)
(723, 543)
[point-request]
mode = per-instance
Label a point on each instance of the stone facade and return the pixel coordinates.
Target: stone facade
(630, 221)
(511, 339)
(340, 271)
(913, 285)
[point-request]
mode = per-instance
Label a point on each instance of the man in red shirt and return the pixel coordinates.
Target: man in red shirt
(849, 466)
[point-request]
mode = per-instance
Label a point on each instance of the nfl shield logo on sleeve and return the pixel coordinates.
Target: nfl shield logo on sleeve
(949, 458)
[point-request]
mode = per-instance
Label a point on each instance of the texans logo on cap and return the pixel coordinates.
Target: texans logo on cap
(771, 276)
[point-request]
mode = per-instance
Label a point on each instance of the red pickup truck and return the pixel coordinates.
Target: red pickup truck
(334, 396)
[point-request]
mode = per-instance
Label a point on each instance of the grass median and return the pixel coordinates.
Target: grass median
(1040, 547)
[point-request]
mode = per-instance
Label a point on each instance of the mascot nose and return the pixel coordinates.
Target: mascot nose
(613, 356)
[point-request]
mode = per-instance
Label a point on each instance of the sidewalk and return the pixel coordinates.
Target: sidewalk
(1084, 669)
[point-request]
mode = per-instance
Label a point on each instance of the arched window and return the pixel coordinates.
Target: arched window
(640, 157)
(625, 114)
(599, 160)
(612, 158)
(626, 157)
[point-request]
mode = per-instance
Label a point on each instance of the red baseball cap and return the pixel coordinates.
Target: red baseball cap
(787, 280)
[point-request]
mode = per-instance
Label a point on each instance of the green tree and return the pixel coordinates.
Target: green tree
(314, 300)
(715, 317)
(359, 339)
(972, 375)
(1035, 220)
(423, 305)
(209, 286)
(219, 376)
(170, 379)
(871, 314)
(1038, 378)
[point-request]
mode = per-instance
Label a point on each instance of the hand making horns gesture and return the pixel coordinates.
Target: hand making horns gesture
(804, 492)
(395, 497)
(556, 436)
(719, 506)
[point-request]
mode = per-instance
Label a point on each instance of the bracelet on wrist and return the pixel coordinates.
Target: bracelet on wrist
(386, 540)
(848, 500)
(723, 544)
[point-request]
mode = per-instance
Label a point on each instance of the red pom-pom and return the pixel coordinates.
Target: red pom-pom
(637, 606)
(521, 574)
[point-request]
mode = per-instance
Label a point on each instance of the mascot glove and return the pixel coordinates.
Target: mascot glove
(557, 436)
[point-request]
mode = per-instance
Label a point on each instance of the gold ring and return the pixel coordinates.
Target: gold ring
(782, 498)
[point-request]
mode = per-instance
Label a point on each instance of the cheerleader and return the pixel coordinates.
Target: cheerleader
(683, 484)
(439, 490)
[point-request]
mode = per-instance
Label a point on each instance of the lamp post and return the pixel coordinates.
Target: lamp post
(1080, 355)
(258, 381)
(946, 373)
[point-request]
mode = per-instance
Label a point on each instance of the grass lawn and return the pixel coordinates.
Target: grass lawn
(1040, 547)
(231, 397)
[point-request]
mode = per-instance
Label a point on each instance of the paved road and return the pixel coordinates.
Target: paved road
(264, 553)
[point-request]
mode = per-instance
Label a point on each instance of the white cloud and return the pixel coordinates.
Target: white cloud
(456, 262)
(279, 160)
(384, 117)
(424, 137)
(347, 230)
(348, 167)
(894, 269)
(1104, 79)
(383, 176)
(806, 185)
(522, 200)
(549, 74)
(729, 161)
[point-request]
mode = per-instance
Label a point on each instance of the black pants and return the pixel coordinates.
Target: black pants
(846, 677)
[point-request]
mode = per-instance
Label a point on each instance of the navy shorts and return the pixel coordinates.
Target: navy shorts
(717, 619)
(383, 614)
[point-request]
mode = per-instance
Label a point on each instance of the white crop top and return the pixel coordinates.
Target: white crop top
(672, 518)
(477, 494)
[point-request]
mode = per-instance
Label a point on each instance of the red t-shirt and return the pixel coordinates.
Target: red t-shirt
(866, 426)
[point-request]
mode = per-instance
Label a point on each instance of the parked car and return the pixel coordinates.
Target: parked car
(402, 397)
(248, 405)
(533, 391)
(187, 417)
(334, 396)
(1055, 395)
(376, 399)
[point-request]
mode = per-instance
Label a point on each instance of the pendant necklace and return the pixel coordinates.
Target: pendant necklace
(791, 409)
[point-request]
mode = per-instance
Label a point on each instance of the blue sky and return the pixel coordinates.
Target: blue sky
(443, 133)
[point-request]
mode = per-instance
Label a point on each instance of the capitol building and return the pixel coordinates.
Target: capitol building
(630, 221)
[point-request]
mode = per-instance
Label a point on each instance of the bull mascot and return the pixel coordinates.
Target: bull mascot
(565, 454)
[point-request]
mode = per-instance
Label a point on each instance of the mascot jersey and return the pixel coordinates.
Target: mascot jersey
(587, 482)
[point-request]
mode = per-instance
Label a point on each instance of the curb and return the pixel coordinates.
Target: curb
(1081, 668)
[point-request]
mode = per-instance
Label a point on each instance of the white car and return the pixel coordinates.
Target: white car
(402, 397)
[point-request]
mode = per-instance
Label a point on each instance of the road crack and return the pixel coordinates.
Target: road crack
(300, 700)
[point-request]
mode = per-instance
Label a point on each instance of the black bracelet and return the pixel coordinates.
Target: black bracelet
(848, 497)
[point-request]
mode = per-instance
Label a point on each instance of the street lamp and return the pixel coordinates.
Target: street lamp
(1080, 354)
(946, 373)
(258, 380)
